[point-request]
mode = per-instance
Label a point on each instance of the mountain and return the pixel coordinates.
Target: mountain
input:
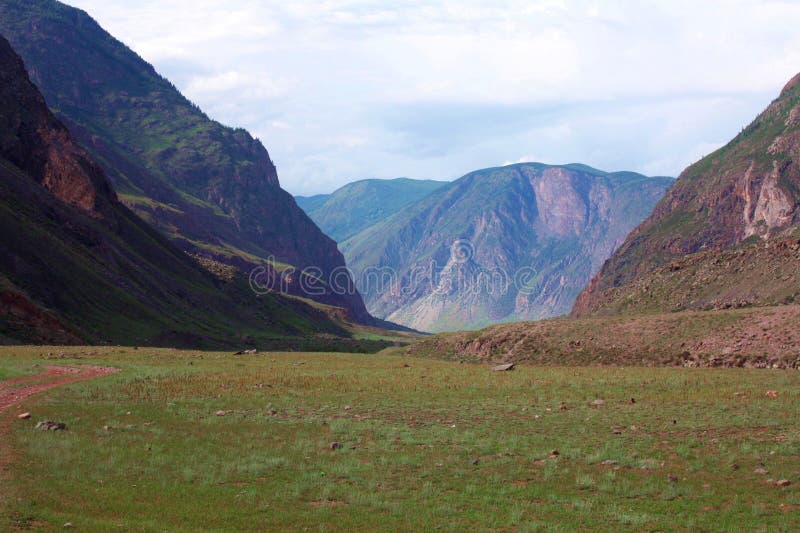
(311, 203)
(360, 204)
(77, 266)
(212, 190)
(512, 243)
(725, 235)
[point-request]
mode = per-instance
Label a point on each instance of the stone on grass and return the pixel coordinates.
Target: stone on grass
(598, 403)
(554, 454)
(783, 483)
(761, 471)
(772, 394)
(335, 446)
(504, 368)
(49, 425)
(24, 416)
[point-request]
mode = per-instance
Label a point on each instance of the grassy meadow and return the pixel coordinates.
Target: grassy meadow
(199, 441)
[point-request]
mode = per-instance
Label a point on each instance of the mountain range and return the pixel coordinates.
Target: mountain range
(360, 204)
(710, 278)
(211, 190)
(502, 244)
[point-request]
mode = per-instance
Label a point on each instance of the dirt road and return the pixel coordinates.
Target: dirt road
(14, 391)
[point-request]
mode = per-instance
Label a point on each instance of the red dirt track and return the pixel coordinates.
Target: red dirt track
(13, 391)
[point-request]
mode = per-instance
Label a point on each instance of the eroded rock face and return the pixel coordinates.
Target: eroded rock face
(511, 243)
(40, 146)
(748, 189)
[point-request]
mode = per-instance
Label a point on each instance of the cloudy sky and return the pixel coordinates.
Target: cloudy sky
(340, 90)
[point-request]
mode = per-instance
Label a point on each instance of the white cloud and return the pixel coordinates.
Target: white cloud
(630, 84)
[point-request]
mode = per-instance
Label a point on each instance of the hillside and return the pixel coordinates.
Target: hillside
(212, 190)
(501, 244)
(358, 205)
(755, 338)
(78, 266)
(744, 194)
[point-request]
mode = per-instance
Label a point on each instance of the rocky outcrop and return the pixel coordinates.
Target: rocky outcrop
(511, 243)
(746, 192)
(41, 146)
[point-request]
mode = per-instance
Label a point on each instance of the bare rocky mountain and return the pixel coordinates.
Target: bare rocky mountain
(502, 244)
(725, 235)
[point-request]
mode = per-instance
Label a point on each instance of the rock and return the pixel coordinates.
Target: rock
(68, 525)
(617, 430)
(564, 406)
(347, 407)
(335, 446)
(610, 462)
(672, 478)
(772, 394)
(221, 413)
(783, 483)
(476, 462)
(106, 428)
(49, 425)
(554, 454)
(251, 352)
(504, 368)
(598, 403)
(24, 416)
(761, 471)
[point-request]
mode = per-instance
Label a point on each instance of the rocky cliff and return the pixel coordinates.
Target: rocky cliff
(212, 190)
(743, 196)
(511, 243)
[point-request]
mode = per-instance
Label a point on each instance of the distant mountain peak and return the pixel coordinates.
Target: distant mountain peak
(516, 242)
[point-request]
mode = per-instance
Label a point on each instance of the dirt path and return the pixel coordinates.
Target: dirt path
(14, 391)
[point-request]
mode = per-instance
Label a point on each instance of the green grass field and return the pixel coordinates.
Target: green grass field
(426, 445)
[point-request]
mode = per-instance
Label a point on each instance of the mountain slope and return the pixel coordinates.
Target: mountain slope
(744, 194)
(310, 203)
(77, 266)
(501, 244)
(358, 205)
(212, 190)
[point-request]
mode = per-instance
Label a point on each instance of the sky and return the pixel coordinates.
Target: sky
(341, 90)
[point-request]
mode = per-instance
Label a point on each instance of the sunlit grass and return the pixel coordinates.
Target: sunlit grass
(431, 444)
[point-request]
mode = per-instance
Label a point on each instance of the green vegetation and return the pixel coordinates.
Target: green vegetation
(425, 444)
(202, 184)
(361, 204)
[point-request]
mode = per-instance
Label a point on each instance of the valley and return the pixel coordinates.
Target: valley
(516, 345)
